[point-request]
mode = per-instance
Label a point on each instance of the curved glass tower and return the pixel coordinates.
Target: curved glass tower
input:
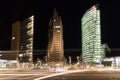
(91, 35)
(55, 44)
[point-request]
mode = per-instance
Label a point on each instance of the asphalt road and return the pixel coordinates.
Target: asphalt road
(70, 75)
(80, 76)
(86, 75)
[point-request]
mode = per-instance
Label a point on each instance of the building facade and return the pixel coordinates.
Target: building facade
(13, 54)
(26, 39)
(15, 36)
(113, 61)
(22, 39)
(91, 35)
(55, 39)
(105, 50)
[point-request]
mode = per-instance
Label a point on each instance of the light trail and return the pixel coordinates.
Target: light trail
(17, 74)
(58, 74)
(115, 49)
(67, 73)
(18, 77)
(43, 50)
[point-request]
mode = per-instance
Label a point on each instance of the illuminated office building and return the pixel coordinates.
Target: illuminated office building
(22, 39)
(91, 36)
(15, 41)
(55, 39)
(15, 36)
(26, 38)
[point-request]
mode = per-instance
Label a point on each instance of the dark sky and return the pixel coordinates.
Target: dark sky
(71, 12)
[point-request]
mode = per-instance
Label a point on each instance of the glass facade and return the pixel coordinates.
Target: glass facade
(26, 39)
(91, 35)
(55, 42)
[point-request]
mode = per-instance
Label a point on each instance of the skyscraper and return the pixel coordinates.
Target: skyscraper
(55, 40)
(26, 39)
(15, 42)
(22, 38)
(15, 38)
(91, 35)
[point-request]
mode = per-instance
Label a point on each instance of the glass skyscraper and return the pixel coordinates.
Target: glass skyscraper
(55, 40)
(22, 39)
(26, 38)
(91, 35)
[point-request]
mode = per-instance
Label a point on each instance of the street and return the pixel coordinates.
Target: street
(67, 75)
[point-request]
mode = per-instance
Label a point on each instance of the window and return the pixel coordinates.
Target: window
(56, 26)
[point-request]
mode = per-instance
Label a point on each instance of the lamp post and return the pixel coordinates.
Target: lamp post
(20, 60)
(70, 60)
(78, 61)
(20, 55)
(0, 56)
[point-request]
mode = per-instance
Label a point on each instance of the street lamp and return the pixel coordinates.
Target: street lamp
(70, 60)
(78, 61)
(20, 55)
(0, 56)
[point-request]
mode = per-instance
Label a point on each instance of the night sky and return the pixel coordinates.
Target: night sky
(71, 12)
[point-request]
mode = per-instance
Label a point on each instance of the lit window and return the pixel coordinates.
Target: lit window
(13, 38)
(58, 30)
(56, 26)
(54, 20)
